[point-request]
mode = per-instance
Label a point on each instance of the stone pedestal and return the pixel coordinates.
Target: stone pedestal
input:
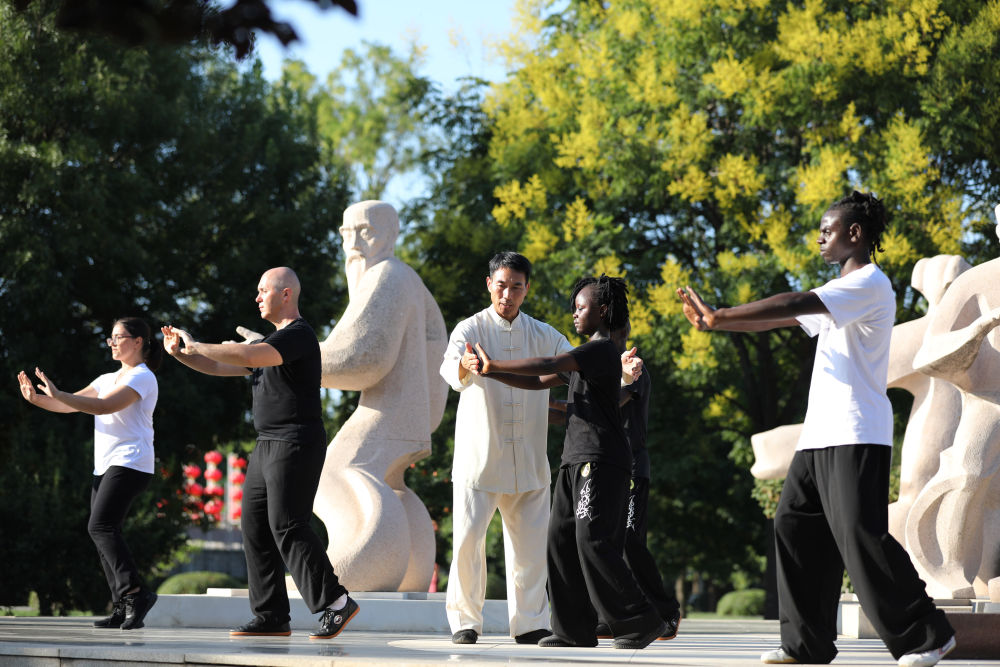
(976, 623)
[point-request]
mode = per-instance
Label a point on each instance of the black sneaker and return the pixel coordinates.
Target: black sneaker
(259, 627)
(137, 605)
(466, 636)
(673, 625)
(532, 637)
(634, 641)
(332, 622)
(116, 617)
(603, 631)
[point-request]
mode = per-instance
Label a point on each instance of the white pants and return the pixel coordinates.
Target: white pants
(525, 525)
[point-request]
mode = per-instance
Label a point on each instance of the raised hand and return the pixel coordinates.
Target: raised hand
(484, 359)
(26, 387)
(631, 364)
(470, 360)
(47, 386)
(249, 335)
(171, 341)
(698, 313)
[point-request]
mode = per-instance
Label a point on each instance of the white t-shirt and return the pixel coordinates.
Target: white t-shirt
(847, 400)
(501, 431)
(125, 438)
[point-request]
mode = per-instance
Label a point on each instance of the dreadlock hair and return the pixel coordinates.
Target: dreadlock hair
(610, 292)
(868, 211)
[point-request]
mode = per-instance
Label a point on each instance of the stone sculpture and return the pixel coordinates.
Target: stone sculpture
(387, 345)
(953, 527)
(937, 404)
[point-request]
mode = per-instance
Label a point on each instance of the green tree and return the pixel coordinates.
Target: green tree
(370, 114)
(143, 181)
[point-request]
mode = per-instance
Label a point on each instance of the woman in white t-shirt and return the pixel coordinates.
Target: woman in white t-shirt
(122, 404)
(833, 511)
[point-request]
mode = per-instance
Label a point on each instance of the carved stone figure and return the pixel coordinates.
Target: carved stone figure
(387, 345)
(937, 404)
(953, 527)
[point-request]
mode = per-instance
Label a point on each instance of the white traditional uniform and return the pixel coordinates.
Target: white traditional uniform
(500, 463)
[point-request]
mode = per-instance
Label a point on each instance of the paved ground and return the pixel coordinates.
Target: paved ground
(73, 641)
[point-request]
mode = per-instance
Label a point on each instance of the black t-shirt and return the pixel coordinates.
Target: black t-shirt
(594, 430)
(286, 403)
(635, 417)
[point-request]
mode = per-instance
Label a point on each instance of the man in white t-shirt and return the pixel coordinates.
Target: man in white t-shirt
(500, 460)
(833, 511)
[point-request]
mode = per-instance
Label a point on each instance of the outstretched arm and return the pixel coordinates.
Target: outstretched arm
(773, 312)
(86, 400)
(220, 359)
(534, 373)
(44, 401)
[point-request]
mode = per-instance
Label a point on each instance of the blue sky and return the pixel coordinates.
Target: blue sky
(455, 33)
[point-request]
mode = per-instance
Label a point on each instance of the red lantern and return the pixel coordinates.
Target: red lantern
(191, 471)
(213, 457)
(238, 494)
(238, 478)
(213, 474)
(240, 463)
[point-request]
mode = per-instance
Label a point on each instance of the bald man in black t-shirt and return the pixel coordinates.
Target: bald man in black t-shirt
(284, 468)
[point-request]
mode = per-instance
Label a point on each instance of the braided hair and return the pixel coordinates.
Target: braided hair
(152, 348)
(610, 292)
(868, 211)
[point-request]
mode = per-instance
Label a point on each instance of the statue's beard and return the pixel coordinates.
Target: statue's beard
(354, 267)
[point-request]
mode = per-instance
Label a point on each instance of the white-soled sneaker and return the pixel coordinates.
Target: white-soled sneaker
(778, 657)
(927, 658)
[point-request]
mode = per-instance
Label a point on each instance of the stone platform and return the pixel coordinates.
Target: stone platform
(73, 641)
(381, 612)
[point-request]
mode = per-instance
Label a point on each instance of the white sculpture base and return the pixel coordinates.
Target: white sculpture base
(380, 612)
(852, 621)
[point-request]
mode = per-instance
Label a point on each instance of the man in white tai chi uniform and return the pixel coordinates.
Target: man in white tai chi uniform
(500, 460)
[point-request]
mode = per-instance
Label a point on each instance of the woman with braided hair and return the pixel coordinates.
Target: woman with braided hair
(587, 570)
(833, 511)
(122, 403)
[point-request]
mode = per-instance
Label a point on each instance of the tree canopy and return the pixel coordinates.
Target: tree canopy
(149, 181)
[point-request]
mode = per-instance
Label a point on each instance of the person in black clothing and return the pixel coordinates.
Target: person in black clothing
(284, 469)
(634, 401)
(587, 571)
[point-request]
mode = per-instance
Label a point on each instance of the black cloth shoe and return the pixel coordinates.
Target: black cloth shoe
(556, 641)
(637, 640)
(137, 605)
(467, 636)
(673, 625)
(259, 627)
(332, 622)
(603, 631)
(116, 617)
(532, 637)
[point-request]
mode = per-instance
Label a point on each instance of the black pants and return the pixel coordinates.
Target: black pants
(637, 555)
(587, 571)
(111, 495)
(278, 493)
(833, 513)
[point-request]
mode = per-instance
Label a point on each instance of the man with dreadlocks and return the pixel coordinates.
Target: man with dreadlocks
(833, 507)
(587, 571)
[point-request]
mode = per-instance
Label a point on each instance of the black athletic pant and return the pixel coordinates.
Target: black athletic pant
(111, 495)
(587, 571)
(278, 493)
(833, 513)
(637, 555)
